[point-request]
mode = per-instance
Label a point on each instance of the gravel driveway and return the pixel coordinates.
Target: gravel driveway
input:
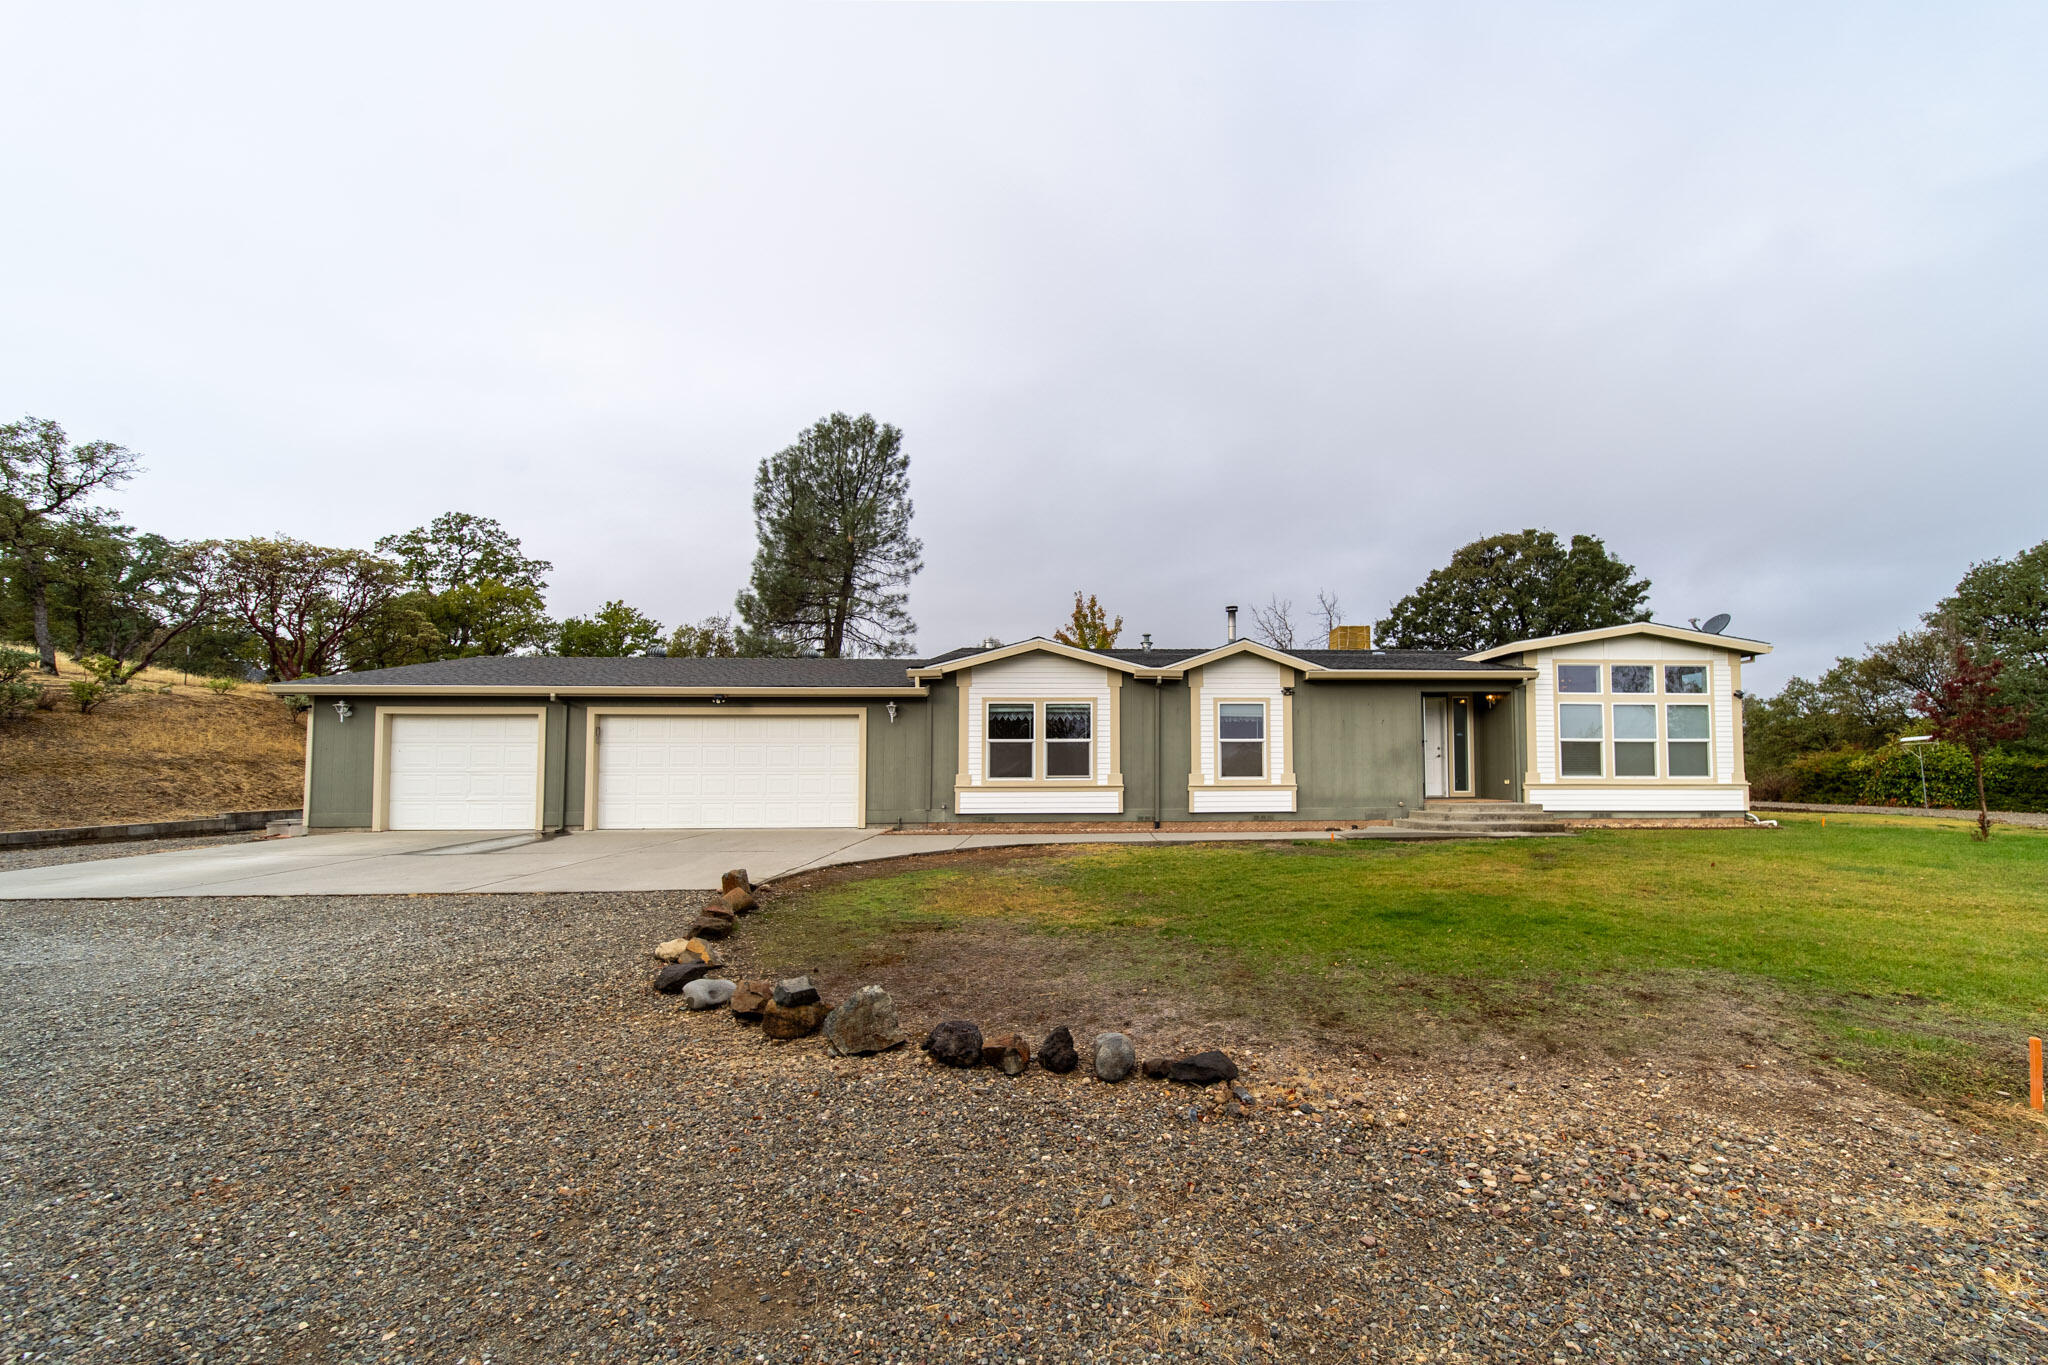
(460, 1128)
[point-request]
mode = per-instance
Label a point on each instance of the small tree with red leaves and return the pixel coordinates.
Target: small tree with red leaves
(1967, 712)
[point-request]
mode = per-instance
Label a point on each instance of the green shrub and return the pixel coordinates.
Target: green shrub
(1891, 777)
(103, 669)
(221, 686)
(1833, 778)
(18, 695)
(298, 703)
(89, 693)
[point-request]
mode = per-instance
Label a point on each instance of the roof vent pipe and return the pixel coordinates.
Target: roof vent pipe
(1145, 642)
(1230, 616)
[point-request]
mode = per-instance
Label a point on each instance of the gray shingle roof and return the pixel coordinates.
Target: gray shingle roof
(545, 672)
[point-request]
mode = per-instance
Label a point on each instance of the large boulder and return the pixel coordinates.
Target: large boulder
(956, 1042)
(707, 993)
(1114, 1057)
(1007, 1053)
(739, 900)
(795, 990)
(865, 1023)
(750, 998)
(1056, 1054)
(1204, 1068)
(792, 1021)
(736, 877)
(673, 978)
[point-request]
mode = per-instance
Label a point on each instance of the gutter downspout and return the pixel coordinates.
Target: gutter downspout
(931, 776)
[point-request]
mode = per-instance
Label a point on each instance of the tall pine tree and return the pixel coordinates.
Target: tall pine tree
(832, 516)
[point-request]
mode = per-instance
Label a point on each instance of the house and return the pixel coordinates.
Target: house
(1639, 719)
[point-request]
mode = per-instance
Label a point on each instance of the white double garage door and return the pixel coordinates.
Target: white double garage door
(730, 771)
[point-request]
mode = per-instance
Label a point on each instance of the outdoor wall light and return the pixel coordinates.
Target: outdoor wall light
(892, 713)
(344, 710)
(718, 698)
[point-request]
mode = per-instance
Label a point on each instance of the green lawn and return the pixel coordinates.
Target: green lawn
(1893, 944)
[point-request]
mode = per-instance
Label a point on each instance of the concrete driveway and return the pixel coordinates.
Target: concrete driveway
(603, 860)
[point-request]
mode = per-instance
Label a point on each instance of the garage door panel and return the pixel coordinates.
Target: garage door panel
(728, 772)
(462, 772)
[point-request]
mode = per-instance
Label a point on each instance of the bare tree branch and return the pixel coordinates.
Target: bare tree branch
(1274, 622)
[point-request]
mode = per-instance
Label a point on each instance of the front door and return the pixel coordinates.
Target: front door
(1436, 773)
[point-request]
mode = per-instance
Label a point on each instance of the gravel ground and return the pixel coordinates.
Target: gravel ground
(2031, 819)
(10, 859)
(460, 1128)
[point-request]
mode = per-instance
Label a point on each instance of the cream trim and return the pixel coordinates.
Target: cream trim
(1035, 784)
(306, 796)
(590, 715)
(1242, 784)
(1036, 645)
(1038, 705)
(1442, 675)
(964, 777)
(1266, 652)
(1735, 702)
(346, 689)
(1196, 777)
(380, 760)
(1531, 777)
(1642, 783)
(1116, 729)
(1287, 732)
(1265, 777)
(1733, 644)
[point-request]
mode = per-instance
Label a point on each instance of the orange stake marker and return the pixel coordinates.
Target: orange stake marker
(2034, 1071)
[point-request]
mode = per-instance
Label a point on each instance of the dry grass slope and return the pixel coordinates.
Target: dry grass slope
(150, 755)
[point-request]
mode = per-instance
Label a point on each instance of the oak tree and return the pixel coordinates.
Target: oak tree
(1516, 586)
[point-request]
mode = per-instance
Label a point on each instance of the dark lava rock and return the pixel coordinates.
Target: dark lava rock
(956, 1042)
(1057, 1053)
(1156, 1068)
(796, 990)
(678, 975)
(1204, 1068)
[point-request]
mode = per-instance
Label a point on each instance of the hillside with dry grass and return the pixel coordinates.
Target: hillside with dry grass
(166, 748)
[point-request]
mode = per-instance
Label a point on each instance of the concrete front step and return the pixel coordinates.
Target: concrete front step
(1488, 830)
(1439, 803)
(1490, 818)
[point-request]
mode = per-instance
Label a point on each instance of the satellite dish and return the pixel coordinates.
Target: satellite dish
(1716, 624)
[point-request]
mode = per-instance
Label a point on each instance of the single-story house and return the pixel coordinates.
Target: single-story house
(1640, 719)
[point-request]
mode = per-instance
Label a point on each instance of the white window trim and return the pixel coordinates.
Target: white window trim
(1607, 699)
(1265, 705)
(1038, 778)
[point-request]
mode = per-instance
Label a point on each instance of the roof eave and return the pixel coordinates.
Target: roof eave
(336, 687)
(1505, 674)
(1735, 644)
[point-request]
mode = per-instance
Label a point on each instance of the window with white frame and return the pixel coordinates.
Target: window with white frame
(1635, 740)
(1686, 740)
(1011, 735)
(1069, 739)
(1580, 731)
(1241, 739)
(1578, 677)
(1631, 679)
(1685, 679)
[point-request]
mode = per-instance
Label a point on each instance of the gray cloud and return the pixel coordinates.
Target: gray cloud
(1177, 305)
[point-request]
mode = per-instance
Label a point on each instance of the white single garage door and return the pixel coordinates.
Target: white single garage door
(728, 772)
(463, 772)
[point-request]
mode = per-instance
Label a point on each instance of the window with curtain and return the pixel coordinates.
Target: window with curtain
(1010, 734)
(1069, 736)
(1241, 739)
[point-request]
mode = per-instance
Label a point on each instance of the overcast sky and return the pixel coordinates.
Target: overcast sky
(1180, 305)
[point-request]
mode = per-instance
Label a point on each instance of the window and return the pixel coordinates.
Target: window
(1579, 731)
(1241, 739)
(1009, 739)
(1685, 733)
(1578, 677)
(1632, 678)
(1069, 729)
(1635, 740)
(1686, 678)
